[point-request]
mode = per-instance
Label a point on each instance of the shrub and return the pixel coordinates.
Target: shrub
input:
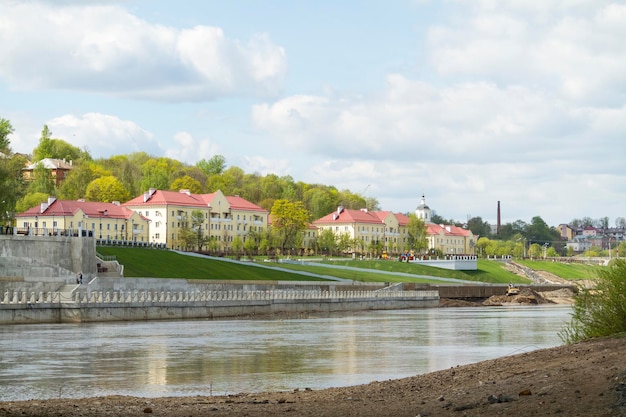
(601, 310)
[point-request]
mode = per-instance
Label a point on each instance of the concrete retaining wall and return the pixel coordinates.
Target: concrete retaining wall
(47, 258)
(22, 308)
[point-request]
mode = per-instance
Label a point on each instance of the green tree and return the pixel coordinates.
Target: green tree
(327, 241)
(31, 200)
(187, 238)
(6, 129)
(535, 251)
(186, 183)
(42, 181)
(214, 166)
(478, 226)
(289, 220)
(106, 189)
(237, 245)
(417, 239)
(75, 184)
(600, 311)
(343, 242)
(197, 220)
(45, 147)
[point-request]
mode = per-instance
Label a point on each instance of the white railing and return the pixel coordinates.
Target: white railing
(155, 296)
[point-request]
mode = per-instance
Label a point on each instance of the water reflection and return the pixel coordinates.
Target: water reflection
(216, 357)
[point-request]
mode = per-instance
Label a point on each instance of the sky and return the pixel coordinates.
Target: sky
(468, 103)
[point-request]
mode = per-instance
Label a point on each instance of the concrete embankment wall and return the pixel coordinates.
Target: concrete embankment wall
(99, 306)
(47, 258)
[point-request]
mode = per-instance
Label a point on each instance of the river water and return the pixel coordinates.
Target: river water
(200, 357)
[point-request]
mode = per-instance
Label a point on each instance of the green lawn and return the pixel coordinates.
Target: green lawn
(166, 264)
(488, 271)
(572, 271)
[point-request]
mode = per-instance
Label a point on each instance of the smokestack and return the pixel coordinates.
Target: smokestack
(498, 225)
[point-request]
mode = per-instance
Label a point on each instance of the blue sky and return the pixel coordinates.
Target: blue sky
(466, 102)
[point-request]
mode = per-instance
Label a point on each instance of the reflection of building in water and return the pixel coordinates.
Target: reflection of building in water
(156, 364)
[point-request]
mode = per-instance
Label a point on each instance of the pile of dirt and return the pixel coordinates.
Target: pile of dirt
(526, 296)
(584, 379)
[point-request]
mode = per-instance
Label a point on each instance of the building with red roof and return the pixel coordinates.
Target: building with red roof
(390, 230)
(368, 227)
(109, 221)
(213, 216)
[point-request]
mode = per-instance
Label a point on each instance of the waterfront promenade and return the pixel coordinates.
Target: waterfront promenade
(80, 304)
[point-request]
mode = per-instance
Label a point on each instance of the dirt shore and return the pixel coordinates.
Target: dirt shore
(585, 379)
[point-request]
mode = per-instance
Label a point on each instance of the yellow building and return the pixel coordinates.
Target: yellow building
(390, 230)
(368, 227)
(104, 221)
(222, 217)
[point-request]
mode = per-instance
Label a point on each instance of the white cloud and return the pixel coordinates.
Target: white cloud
(190, 150)
(108, 50)
(577, 46)
(264, 166)
(103, 135)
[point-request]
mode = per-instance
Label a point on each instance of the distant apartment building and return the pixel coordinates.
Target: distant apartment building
(222, 217)
(390, 230)
(104, 221)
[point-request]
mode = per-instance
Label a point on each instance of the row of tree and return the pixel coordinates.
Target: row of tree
(122, 177)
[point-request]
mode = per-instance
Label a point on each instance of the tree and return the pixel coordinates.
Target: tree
(327, 241)
(45, 148)
(186, 238)
(186, 183)
(600, 311)
(214, 166)
(30, 200)
(343, 242)
(75, 184)
(478, 226)
(538, 231)
(197, 220)
(42, 181)
(237, 245)
(106, 189)
(6, 129)
(417, 239)
(289, 219)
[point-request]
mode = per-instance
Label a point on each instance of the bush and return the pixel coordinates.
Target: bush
(600, 311)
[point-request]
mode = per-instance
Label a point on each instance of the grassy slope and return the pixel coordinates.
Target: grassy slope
(165, 264)
(488, 271)
(573, 271)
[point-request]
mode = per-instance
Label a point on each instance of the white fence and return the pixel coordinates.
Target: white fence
(148, 296)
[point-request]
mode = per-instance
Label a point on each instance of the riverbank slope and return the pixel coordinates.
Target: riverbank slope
(584, 379)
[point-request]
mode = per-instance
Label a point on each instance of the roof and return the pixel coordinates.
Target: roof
(350, 216)
(447, 230)
(50, 163)
(92, 209)
(185, 198)
(239, 203)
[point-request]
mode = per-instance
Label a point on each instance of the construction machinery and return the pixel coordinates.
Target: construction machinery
(512, 290)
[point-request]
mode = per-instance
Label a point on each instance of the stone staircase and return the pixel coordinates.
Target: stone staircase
(66, 291)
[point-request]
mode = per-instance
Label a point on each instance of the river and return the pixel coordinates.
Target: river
(214, 357)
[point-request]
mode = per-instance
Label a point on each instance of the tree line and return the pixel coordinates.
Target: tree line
(122, 177)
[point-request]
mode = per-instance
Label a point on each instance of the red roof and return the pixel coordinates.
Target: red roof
(351, 216)
(448, 230)
(62, 208)
(184, 198)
